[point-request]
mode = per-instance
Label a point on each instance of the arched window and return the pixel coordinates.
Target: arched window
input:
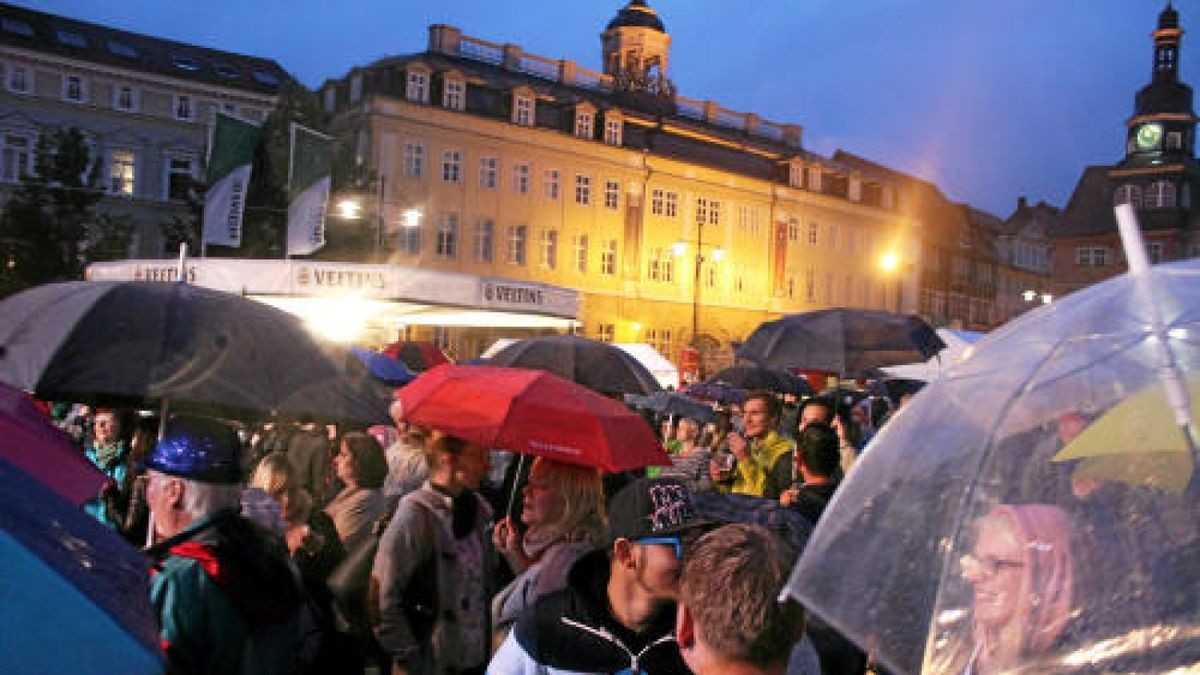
(1160, 194)
(1128, 194)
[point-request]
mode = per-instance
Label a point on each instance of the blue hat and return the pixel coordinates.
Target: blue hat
(197, 449)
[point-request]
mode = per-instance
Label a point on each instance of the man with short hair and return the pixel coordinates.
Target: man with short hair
(760, 450)
(729, 619)
(617, 612)
(817, 465)
(226, 598)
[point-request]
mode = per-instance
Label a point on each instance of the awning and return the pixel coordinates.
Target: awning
(350, 301)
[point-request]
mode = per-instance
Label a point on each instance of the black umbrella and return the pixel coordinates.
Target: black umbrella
(674, 403)
(137, 343)
(849, 342)
(757, 377)
(596, 365)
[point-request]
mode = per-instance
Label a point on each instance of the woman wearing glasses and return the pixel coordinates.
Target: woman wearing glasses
(1022, 573)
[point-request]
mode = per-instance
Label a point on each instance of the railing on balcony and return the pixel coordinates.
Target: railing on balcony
(481, 50)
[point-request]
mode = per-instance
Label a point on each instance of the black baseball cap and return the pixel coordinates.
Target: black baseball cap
(652, 507)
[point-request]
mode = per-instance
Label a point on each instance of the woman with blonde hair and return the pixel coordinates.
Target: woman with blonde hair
(563, 508)
(1022, 573)
(311, 536)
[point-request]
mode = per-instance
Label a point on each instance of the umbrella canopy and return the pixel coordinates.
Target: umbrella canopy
(674, 403)
(958, 541)
(533, 412)
(758, 377)
(134, 343)
(418, 356)
(846, 341)
(596, 365)
(715, 391)
(76, 597)
(384, 368)
(30, 442)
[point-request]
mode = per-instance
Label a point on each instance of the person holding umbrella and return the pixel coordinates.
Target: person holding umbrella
(429, 582)
(226, 599)
(563, 507)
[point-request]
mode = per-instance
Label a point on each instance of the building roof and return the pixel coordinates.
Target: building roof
(1089, 212)
(637, 14)
(62, 36)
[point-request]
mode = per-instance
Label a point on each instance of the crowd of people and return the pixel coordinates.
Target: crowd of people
(300, 548)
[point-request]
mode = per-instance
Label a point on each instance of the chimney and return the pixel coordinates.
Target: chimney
(1022, 203)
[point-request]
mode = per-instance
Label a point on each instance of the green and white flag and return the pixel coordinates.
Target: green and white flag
(230, 154)
(309, 179)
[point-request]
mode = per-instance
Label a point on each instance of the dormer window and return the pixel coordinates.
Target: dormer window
(122, 49)
(1160, 194)
(612, 131)
(454, 93)
(796, 174)
(16, 27)
(269, 79)
(585, 123)
(1128, 194)
(330, 99)
(523, 108)
(185, 63)
(417, 86)
(226, 71)
(71, 38)
(356, 88)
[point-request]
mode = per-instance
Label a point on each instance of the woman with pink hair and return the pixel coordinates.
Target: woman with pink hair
(1022, 573)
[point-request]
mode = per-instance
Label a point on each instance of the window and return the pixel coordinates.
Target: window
(1128, 194)
(608, 258)
(122, 49)
(714, 212)
(551, 184)
(183, 107)
(662, 266)
(810, 285)
(447, 236)
(1174, 140)
(671, 205)
(410, 240)
(605, 332)
(483, 240)
(452, 166)
(831, 236)
(612, 132)
(517, 236)
(660, 339)
(829, 288)
(583, 189)
(1156, 250)
(263, 77)
(584, 124)
(16, 157)
(414, 159)
(226, 71)
(185, 63)
(330, 99)
(523, 111)
(16, 27)
(579, 249)
(18, 79)
(813, 230)
(710, 275)
(549, 249)
(701, 211)
(748, 221)
(356, 88)
(452, 94)
(489, 168)
(1092, 256)
(656, 202)
(1160, 194)
(74, 89)
(181, 176)
(612, 194)
(521, 178)
(417, 87)
(125, 98)
(121, 172)
(71, 38)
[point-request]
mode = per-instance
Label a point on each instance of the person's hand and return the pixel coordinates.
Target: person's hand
(788, 497)
(739, 447)
(508, 541)
(839, 428)
(716, 472)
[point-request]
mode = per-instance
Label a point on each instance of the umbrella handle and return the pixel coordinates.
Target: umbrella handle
(512, 494)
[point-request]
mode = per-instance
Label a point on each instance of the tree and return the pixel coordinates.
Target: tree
(44, 228)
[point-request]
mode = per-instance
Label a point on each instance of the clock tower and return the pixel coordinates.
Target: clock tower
(1162, 129)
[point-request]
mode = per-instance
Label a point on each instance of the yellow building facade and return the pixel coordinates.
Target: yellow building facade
(681, 223)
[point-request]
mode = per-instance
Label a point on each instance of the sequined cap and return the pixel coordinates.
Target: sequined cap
(198, 449)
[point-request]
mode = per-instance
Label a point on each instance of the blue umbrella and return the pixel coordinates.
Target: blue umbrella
(76, 597)
(384, 368)
(674, 403)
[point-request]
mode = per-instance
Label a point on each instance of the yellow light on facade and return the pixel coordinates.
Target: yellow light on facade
(718, 254)
(679, 248)
(889, 262)
(349, 209)
(1029, 295)
(1047, 298)
(411, 218)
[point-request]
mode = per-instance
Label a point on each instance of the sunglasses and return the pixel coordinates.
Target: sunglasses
(677, 542)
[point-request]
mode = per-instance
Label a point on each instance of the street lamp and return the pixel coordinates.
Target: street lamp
(718, 254)
(1030, 295)
(892, 264)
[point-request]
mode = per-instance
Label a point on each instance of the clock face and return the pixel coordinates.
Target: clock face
(1149, 136)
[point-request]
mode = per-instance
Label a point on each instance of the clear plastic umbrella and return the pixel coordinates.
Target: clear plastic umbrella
(965, 540)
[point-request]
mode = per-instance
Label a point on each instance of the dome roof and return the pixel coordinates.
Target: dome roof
(637, 14)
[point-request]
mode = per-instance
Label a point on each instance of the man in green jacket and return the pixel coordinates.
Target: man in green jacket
(761, 452)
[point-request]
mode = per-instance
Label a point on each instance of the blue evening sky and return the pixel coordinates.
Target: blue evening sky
(990, 99)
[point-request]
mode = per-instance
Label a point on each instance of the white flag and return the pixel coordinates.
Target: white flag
(230, 156)
(309, 182)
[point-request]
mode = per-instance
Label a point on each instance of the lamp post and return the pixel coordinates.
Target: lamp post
(891, 263)
(679, 248)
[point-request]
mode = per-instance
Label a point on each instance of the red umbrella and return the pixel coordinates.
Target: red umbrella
(419, 356)
(533, 412)
(30, 442)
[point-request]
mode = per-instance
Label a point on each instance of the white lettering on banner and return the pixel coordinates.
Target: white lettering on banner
(335, 278)
(513, 295)
(672, 507)
(234, 220)
(554, 447)
(162, 273)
